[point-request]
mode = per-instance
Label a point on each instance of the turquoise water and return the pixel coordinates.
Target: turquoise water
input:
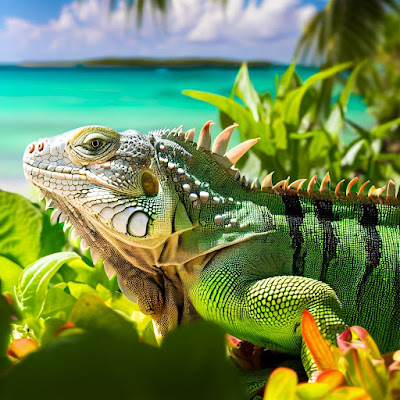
(40, 102)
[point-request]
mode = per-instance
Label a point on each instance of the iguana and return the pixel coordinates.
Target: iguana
(189, 237)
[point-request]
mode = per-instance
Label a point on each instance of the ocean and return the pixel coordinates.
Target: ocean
(42, 102)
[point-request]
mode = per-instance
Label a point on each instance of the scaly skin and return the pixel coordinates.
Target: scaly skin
(187, 237)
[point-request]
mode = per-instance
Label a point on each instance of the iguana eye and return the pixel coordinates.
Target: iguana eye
(93, 144)
(96, 143)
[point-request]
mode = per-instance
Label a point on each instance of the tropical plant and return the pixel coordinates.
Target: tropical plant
(67, 331)
(294, 141)
(344, 31)
(354, 369)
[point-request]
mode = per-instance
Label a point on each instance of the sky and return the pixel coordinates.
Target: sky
(50, 30)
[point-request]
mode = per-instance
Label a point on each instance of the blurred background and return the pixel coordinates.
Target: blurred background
(125, 63)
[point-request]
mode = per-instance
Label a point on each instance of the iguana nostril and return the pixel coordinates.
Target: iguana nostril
(40, 146)
(31, 148)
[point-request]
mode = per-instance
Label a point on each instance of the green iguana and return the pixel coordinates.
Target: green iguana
(188, 236)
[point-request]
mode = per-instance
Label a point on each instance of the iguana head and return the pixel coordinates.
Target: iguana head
(136, 189)
(112, 180)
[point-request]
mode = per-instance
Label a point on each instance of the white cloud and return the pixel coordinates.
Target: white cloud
(192, 28)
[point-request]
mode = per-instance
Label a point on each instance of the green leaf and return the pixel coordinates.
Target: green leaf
(25, 231)
(236, 111)
(384, 130)
(97, 365)
(294, 98)
(5, 330)
(57, 304)
(312, 391)
(244, 89)
(51, 325)
(34, 281)
(280, 134)
(285, 81)
(281, 385)
(20, 226)
(335, 121)
(79, 289)
(91, 314)
(9, 274)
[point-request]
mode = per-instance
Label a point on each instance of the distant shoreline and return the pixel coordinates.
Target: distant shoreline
(144, 62)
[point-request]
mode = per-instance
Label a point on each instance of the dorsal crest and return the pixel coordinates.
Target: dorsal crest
(227, 160)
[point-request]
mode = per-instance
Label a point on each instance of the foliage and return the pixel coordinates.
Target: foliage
(294, 141)
(353, 370)
(354, 30)
(66, 330)
(345, 30)
(380, 82)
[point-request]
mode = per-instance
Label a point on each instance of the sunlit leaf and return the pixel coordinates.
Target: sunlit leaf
(349, 393)
(319, 348)
(294, 98)
(34, 281)
(311, 391)
(285, 80)
(332, 377)
(244, 89)
(281, 385)
(91, 314)
(335, 120)
(57, 303)
(9, 274)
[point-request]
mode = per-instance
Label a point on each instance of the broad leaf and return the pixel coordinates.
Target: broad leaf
(281, 385)
(20, 226)
(244, 89)
(91, 314)
(319, 348)
(9, 274)
(34, 281)
(294, 98)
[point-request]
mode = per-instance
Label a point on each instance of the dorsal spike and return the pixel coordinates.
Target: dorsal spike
(222, 161)
(222, 140)
(109, 269)
(84, 245)
(296, 185)
(282, 185)
(350, 185)
(391, 189)
(378, 192)
(311, 185)
(325, 183)
(337, 189)
(371, 191)
(255, 185)
(189, 135)
(179, 132)
(361, 190)
(267, 182)
(205, 136)
(95, 256)
(74, 234)
(238, 151)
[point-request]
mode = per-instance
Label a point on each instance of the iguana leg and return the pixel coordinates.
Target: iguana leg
(266, 312)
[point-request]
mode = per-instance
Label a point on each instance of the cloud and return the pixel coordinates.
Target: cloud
(192, 28)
